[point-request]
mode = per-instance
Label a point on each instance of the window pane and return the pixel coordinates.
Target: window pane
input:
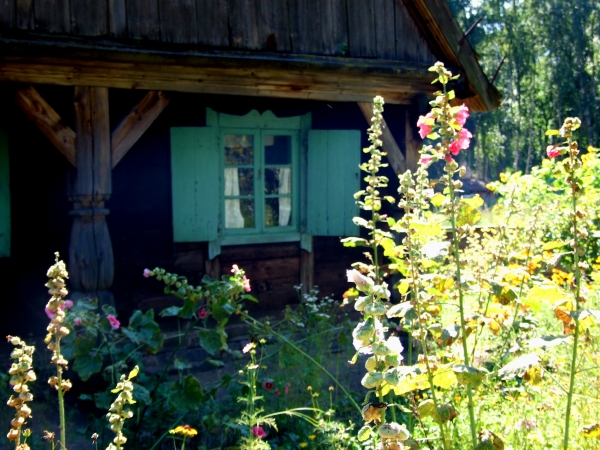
(278, 149)
(239, 182)
(278, 212)
(239, 149)
(278, 180)
(239, 213)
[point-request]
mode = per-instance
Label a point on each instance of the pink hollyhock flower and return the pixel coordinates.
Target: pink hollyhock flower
(77, 321)
(552, 151)
(426, 160)
(147, 273)
(448, 158)
(462, 142)
(362, 282)
(462, 114)
(287, 387)
(277, 393)
(49, 313)
(259, 432)
(424, 129)
(202, 313)
(235, 268)
(268, 385)
(246, 283)
(68, 304)
(114, 323)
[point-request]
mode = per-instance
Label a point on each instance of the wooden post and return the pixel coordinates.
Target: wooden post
(91, 262)
(307, 269)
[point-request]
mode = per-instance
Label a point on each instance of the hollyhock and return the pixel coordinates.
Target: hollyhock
(362, 282)
(114, 323)
(147, 273)
(277, 393)
(235, 268)
(68, 304)
(259, 432)
(426, 160)
(77, 321)
(246, 283)
(268, 385)
(425, 129)
(462, 142)
(462, 114)
(202, 313)
(552, 151)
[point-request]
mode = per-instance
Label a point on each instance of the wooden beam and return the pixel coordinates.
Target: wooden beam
(394, 155)
(48, 121)
(233, 73)
(135, 124)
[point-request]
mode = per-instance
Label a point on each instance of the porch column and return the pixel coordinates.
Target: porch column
(91, 262)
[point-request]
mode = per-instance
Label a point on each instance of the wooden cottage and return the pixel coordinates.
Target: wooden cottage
(194, 134)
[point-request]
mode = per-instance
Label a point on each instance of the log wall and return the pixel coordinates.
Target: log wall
(381, 29)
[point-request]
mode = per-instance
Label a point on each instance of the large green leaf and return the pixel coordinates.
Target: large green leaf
(144, 330)
(210, 340)
(187, 395)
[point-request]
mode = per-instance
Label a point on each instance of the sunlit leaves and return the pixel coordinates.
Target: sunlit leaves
(590, 431)
(519, 366)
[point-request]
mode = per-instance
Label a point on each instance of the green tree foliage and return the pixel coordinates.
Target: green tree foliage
(551, 70)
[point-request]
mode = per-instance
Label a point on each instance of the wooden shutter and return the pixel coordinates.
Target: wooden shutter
(195, 184)
(4, 197)
(333, 178)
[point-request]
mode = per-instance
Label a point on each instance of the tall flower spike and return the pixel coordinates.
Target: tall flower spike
(117, 414)
(55, 309)
(21, 372)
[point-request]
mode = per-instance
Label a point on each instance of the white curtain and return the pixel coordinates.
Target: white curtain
(285, 203)
(233, 213)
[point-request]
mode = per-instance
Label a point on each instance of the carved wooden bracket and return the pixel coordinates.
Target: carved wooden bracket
(394, 155)
(127, 133)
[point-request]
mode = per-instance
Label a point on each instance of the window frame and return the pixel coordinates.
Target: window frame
(260, 232)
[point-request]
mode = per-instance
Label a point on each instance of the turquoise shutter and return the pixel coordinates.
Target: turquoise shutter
(195, 184)
(4, 198)
(333, 178)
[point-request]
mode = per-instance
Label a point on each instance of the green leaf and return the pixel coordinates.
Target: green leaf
(144, 330)
(141, 394)
(433, 136)
(468, 214)
(403, 287)
(171, 311)
(438, 199)
(360, 222)
(545, 342)
(355, 242)
(426, 229)
(519, 366)
(188, 309)
(133, 373)
(186, 396)
(469, 375)
(537, 295)
(210, 340)
(399, 310)
(87, 365)
(552, 245)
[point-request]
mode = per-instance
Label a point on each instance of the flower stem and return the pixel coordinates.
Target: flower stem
(574, 189)
(463, 327)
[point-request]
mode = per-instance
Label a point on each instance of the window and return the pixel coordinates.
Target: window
(259, 178)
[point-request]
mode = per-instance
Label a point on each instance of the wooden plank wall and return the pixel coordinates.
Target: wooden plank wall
(381, 29)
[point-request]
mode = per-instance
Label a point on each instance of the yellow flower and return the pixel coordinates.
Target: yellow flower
(312, 437)
(503, 177)
(185, 430)
(303, 445)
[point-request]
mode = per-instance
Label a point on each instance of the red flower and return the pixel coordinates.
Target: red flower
(552, 151)
(77, 321)
(268, 385)
(259, 432)
(426, 160)
(277, 393)
(114, 323)
(202, 313)
(462, 142)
